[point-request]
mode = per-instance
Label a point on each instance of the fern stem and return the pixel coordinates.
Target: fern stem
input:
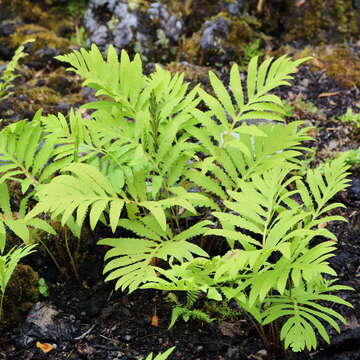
(50, 254)
(1, 304)
(72, 260)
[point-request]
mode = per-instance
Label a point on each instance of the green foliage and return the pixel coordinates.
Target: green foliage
(351, 118)
(223, 310)
(251, 49)
(185, 310)
(161, 356)
(43, 288)
(76, 7)
(352, 157)
(8, 263)
(267, 286)
(8, 75)
(151, 161)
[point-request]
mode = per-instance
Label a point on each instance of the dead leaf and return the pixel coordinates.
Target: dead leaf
(232, 329)
(317, 63)
(44, 347)
(351, 322)
(85, 349)
(155, 321)
(300, 3)
(312, 132)
(153, 261)
(327, 94)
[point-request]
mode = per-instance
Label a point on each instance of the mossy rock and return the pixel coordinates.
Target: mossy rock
(321, 21)
(43, 12)
(44, 38)
(21, 293)
(193, 12)
(42, 51)
(222, 39)
(27, 9)
(194, 74)
(27, 100)
(338, 61)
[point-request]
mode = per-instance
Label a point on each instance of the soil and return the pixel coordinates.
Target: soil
(85, 319)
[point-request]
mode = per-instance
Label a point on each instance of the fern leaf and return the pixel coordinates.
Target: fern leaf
(236, 86)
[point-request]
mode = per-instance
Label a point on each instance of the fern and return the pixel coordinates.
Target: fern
(241, 149)
(130, 259)
(263, 220)
(149, 160)
(161, 356)
(8, 75)
(185, 311)
(305, 315)
(25, 154)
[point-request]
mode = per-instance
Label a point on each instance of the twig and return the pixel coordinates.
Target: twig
(87, 332)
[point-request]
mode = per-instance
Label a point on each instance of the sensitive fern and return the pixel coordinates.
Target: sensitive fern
(146, 158)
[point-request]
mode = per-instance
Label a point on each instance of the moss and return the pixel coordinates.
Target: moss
(30, 99)
(44, 38)
(29, 10)
(21, 293)
(60, 81)
(189, 49)
(319, 21)
(192, 73)
(42, 12)
(340, 63)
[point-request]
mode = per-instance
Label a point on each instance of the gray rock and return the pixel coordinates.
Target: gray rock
(214, 32)
(235, 8)
(354, 189)
(43, 323)
(152, 31)
(356, 4)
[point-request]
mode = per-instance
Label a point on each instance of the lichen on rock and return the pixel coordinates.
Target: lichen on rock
(221, 39)
(148, 28)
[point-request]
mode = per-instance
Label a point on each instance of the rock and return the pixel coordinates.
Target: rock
(354, 189)
(7, 28)
(235, 8)
(43, 324)
(356, 4)
(151, 30)
(215, 31)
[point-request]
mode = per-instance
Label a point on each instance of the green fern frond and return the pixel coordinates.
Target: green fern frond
(305, 315)
(121, 80)
(192, 297)
(325, 183)
(161, 356)
(85, 190)
(130, 259)
(24, 151)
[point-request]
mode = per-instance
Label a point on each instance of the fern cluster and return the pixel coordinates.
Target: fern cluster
(147, 158)
(186, 311)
